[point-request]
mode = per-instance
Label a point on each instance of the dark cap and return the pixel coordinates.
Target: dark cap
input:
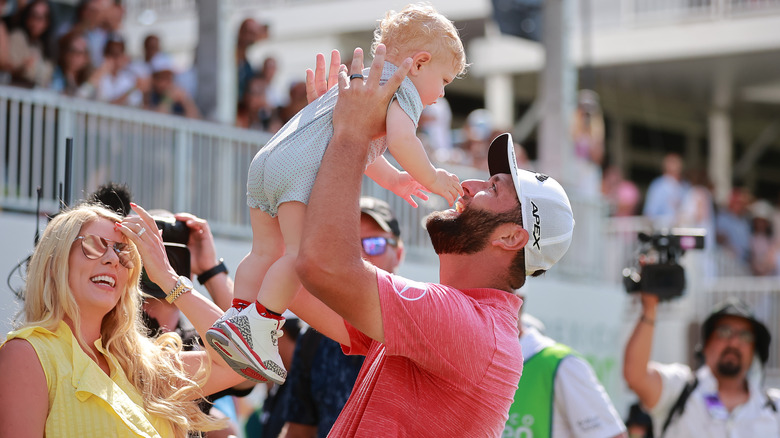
(380, 211)
(736, 307)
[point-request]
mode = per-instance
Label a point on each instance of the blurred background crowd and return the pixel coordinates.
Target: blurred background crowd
(80, 50)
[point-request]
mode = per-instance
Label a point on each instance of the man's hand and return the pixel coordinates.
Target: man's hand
(361, 109)
(316, 84)
(201, 243)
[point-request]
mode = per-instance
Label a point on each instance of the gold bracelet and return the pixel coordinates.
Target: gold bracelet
(647, 320)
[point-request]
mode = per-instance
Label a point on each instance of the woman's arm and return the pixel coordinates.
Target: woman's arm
(199, 310)
(24, 395)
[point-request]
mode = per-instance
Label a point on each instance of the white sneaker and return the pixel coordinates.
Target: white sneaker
(256, 337)
(219, 339)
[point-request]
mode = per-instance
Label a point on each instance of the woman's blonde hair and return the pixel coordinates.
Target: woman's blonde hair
(420, 27)
(153, 366)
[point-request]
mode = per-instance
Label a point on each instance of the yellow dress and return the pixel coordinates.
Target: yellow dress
(83, 400)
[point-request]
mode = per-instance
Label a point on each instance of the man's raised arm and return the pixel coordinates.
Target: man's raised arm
(329, 261)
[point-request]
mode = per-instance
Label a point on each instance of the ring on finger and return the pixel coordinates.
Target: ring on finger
(356, 76)
(141, 232)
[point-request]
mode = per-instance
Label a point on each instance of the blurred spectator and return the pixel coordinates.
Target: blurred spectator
(74, 74)
(164, 95)
(249, 33)
(523, 161)
(296, 102)
(268, 72)
(253, 110)
(5, 55)
(435, 127)
(29, 46)
(763, 251)
(665, 193)
(733, 224)
(477, 132)
(588, 136)
(142, 68)
(118, 85)
(697, 208)
(621, 194)
(90, 19)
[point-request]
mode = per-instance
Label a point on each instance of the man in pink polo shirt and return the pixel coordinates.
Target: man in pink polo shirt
(442, 360)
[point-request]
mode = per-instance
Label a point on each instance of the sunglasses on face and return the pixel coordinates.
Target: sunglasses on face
(375, 246)
(728, 332)
(95, 247)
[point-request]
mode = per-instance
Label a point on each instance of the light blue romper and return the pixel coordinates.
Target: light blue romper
(285, 168)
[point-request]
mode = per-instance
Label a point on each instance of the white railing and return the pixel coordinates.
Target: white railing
(168, 162)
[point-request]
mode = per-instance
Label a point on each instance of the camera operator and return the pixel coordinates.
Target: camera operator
(723, 398)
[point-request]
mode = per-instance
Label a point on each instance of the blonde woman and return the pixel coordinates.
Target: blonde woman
(81, 364)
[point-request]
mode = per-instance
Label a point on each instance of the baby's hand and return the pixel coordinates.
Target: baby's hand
(446, 185)
(406, 186)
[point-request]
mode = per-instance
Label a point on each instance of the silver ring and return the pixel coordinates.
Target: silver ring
(355, 76)
(141, 232)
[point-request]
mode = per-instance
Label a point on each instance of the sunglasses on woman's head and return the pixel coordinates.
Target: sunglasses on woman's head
(95, 247)
(375, 246)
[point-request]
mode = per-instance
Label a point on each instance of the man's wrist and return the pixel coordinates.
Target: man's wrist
(207, 275)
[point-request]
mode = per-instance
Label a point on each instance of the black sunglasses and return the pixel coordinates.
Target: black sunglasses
(95, 247)
(375, 246)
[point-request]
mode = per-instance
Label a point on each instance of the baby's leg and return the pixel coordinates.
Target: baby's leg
(267, 248)
(281, 281)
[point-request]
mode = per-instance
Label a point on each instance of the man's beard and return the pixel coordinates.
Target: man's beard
(469, 232)
(730, 368)
(466, 233)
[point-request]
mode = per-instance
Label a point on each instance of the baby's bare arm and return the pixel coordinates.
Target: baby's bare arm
(408, 150)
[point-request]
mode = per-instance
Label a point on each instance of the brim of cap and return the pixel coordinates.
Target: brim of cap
(379, 220)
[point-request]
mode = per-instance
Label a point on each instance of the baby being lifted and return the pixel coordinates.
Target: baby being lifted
(282, 175)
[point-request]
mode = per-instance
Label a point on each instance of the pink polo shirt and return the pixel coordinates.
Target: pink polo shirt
(449, 365)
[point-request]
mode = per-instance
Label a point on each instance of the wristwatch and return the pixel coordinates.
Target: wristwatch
(183, 285)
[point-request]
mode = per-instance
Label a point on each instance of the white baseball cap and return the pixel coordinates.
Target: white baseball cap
(547, 214)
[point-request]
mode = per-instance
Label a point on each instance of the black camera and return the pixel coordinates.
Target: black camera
(660, 273)
(175, 235)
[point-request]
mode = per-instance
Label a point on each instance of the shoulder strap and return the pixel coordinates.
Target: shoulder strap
(679, 405)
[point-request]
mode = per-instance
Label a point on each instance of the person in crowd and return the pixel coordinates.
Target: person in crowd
(559, 394)
(119, 85)
(478, 132)
(588, 137)
(436, 129)
(90, 19)
(81, 360)
(425, 343)
(254, 111)
(322, 376)
(295, 103)
(5, 55)
(268, 72)
(621, 194)
(74, 75)
(665, 194)
(249, 33)
(283, 171)
(164, 95)
(732, 225)
(29, 46)
(142, 68)
(723, 397)
(763, 250)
